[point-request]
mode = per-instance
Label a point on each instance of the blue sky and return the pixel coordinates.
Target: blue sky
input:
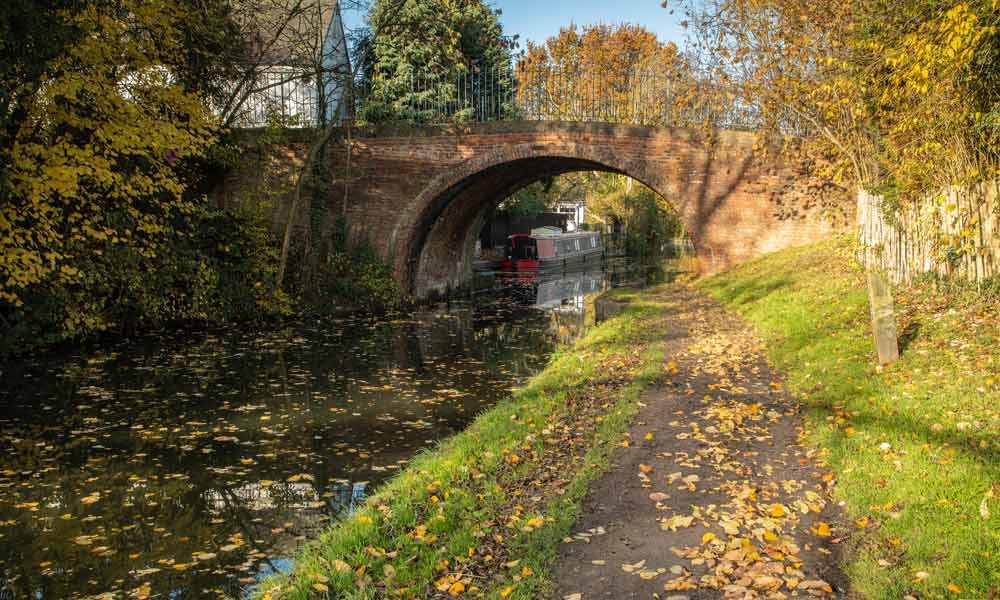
(538, 19)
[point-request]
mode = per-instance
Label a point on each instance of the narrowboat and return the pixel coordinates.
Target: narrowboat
(546, 248)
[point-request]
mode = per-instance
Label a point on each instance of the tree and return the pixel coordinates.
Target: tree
(901, 99)
(100, 134)
(649, 220)
(108, 127)
(427, 55)
(605, 72)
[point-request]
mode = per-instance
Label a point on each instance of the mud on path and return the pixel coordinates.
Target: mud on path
(712, 494)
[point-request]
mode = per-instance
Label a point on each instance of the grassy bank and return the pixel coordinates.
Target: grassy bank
(483, 514)
(915, 447)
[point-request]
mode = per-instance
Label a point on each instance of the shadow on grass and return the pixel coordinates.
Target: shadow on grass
(908, 336)
(750, 292)
(977, 446)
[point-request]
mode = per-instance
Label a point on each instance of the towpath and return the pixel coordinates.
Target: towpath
(712, 494)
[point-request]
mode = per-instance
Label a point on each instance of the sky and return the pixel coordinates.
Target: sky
(537, 20)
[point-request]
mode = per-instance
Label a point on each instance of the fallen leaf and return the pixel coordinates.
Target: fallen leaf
(676, 522)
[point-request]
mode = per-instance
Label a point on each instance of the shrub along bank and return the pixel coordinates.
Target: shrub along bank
(484, 513)
(915, 446)
(213, 267)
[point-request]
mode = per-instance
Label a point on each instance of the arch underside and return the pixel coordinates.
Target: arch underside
(713, 188)
(440, 250)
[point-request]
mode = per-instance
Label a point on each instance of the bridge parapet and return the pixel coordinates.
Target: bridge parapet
(543, 93)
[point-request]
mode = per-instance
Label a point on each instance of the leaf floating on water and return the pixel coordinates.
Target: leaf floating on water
(634, 567)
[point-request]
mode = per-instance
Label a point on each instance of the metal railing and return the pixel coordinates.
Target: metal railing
(538, 93)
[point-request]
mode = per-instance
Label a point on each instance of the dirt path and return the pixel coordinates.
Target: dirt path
(711, 495)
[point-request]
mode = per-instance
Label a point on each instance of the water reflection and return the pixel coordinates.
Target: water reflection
(188, 467)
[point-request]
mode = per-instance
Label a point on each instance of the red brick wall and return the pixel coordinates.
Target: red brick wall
(420, 194)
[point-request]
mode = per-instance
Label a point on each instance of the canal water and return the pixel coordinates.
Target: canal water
(190, 468)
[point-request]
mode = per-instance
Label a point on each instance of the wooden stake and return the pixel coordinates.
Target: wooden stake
(883, 318)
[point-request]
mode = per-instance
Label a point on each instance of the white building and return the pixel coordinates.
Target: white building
(302, 66)
(576, 212)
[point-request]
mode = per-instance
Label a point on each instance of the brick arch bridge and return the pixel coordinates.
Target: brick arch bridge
(422, 194)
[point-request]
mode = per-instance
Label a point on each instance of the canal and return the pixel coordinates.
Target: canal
(191, 467)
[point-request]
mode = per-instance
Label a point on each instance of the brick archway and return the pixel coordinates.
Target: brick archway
(433, 240)
(422, 192)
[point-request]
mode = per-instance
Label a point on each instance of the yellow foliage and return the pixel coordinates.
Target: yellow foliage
(96, 163)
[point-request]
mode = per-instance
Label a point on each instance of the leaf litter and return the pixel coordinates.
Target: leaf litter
(723, 496)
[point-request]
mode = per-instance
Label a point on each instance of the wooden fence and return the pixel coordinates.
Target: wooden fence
(956, 235)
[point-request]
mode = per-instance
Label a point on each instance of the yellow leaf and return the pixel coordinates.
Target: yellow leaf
(675, 522)
(954, 589)
(341, 566)
(456, 588)
(777, 510)
(645, 468)
(708, 537)
(822, 529)
(507, 591)
(321, 587)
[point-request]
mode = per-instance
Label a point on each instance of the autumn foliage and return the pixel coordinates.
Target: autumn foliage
(615, 73)
(903, 100)
(108, 128)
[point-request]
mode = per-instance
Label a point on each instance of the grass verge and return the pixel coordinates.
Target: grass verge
(482, 515)
(916, 446)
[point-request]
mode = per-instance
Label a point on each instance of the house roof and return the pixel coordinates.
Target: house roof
(290, 32)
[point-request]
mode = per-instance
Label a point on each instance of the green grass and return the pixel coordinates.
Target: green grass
(466, 510)
(915, 447)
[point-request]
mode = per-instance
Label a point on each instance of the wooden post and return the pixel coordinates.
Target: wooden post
(883, 317)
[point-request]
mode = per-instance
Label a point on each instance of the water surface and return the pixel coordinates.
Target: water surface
(187, 468)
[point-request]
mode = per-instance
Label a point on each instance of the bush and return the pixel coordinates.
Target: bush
(217, 267)
(353, 277)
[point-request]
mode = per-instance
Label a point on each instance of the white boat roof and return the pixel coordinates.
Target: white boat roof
(563, 236)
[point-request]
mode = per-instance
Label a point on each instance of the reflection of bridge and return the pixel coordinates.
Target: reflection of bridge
(422, 194)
